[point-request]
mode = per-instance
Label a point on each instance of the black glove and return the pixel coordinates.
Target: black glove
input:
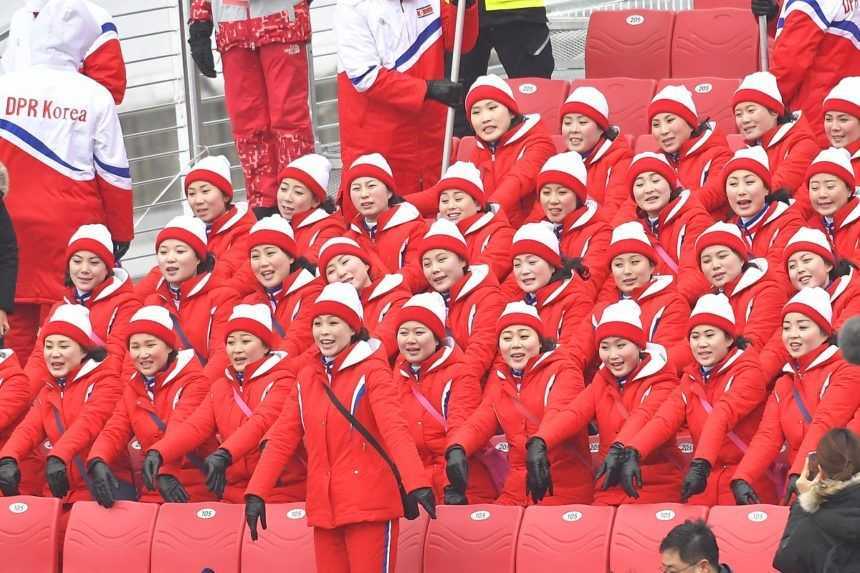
(57, 476)
(538, 478)
(447, 92)
(216, 471)
(120, 248)
(200, 41)
(151, 463)
(611, 465)
(744, 493)
(255, 509)
(424, 497)
(104, 482)
(767, 8)
(171, 490)
(631, 473)
(454, 497)
(10, 477)
(457, 468)
(696, 479)
(790, 489)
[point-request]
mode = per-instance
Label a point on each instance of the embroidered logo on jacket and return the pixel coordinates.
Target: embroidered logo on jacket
(424, 11)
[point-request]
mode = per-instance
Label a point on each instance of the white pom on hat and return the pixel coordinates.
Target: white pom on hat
(444, 234)
(676, 100)
(760, 88)
(566, 169)
(622, 319)
(844, 97)
(213, 169)
(814, 303)
(713, 310)
(836, 162)
(464, 176)
(341, 300)
(312, 170)
(253, 318)
(190, 230)
(429, 309)
(590, 102)
(95, 238)
(537, 239)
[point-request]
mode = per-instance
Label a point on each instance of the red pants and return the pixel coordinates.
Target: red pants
(266, 92)
(369, 547)
(24, 325)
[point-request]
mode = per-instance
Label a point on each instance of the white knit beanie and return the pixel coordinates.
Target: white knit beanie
(760, 88)
(312, 171)
(213, 169)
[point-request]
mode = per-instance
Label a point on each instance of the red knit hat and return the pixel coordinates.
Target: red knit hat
(93, 238)
(520, 314)
(813, 303)
(752, 159)
(631, 238)
(845, 97)
(724, 234)
(565, 169)
(464, 176)
(310, 170)
(444, 234)
(590, 102)
(215, 170)
(429, 309)
(648, 161)
(760, 88)
(622, 319)
(153, 320)
(537, 239)
(372, 165)
(811, 240)
(340, 300)
(494, 88)
(713, 310)
(255, 319)
(189, 230)
(71, 321)
(336, 247)
(836, 162)
(676, 100)
(273, 230)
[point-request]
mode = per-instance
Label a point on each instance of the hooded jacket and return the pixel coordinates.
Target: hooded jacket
(488, 240)
(699, 163)
(313, 228)
(607, 166)
(790, 148)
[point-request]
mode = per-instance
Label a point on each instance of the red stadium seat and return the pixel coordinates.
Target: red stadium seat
(735, 141)
(639, 529)
(465, 148)
(28, 534)
(646, 142)
(628, 100)
(560, 143)
(713, 98)
(410, 544)
(287, 539)
(542, 96)
(196, 536)
(100, 540)
(631, 43)
(472, 539)
(748, 535)
(721, 42)
(548, 533)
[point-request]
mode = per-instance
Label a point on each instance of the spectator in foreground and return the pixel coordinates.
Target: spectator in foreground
(8, 256)
(691, 547)
(823, 529)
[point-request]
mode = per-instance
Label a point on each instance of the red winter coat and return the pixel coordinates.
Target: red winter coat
(90, 395)
(381, 302)
(222, 414)
(177, 393)
(828, 386)
(585, 234)
(519, 406)
(620, 415)
(348, 482)
(453, 394)
(790, 147)
(607, 166)
(845, 238)
(313, 229)
(730, 399)
(757, 301)
(699, 163)
(488, 241)
(769, 234)
(399, 231)
(854, 150)
(15, 398)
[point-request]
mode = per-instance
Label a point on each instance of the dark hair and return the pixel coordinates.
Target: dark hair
(171, 356)
(328, 205)
(838, 454)
(395, 199)
(748, 264)
(302, 263)
(781, 195)
(97, 353)
(360, 335)
(694, 541)
(701, 128)
(568, 267)
(611, 133)
(742, 342)
(547, 344)
(786, 117)
(842, 268)
(207, 264)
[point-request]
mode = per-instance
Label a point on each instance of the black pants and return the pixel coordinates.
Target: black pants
(524, 50)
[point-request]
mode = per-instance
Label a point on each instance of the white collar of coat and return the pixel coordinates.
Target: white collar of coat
(477, 274)
(709, 131)
(315, 217)
(656, 364)
(780, 209)
(582, 220)
(856, 155)
(842, 285)
(305, 277)
(683, 197)
(241, 211)
(783, 130)
(5, 354)
(752, 275)
(555, 294)
(200, 284)
(482, 221)
(386, 285)
(448, 349)
(405, 213)
(502, 376)
(529, 122)
(183, 357)
(823, 357)
(119, 278)
(658, 283)
(88, 367)
(604, 147)
(274, 358)
(361, 351)
(852, 216)
(734, 358)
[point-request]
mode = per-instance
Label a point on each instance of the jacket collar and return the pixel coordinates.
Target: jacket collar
(812, 499)
(748, 278)
(779, 132)
(229, 218)
(5, 354)
(602, 149)
(105, 290)
(838, 287)
(297, 280)
(658, 284)
(383, 286)
(477, 221)
(654, 363)
(86, 368)
(183, 359)
(812, 359)
(392, 217)
(549, 293)
(433, 362)
(475, 278)
(535, 362)
(513, 135)
(849, 213)
(580, 217)
(193, 286)
(262, 366)
(308, 218)
(694, 145)
(359, 352)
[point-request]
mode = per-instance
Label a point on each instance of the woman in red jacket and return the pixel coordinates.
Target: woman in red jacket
(353, 502)
(303, 202)
(696, 150)
(198, 306)
(16, 398)
(437, 392)
(582, 231)
(831, 181)
(237, 410)
(385, 225)
(842, 118)
(720, 399)
(585, 127)
(817, 392)
(77, 396)
(633, 382)
(485, 228)
(471, 294)
(531, 382)
(342, 260)
(165, 389)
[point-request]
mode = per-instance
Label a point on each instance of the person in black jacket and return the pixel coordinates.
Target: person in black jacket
(8, 256)
(691, 548)
(823, 530)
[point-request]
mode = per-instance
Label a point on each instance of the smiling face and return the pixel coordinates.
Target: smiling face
(754, 120)
(348, 269)
(295, 198)
(828, 194)
(651, 192)
(842, 129)
(720, 265)
(580, 132)
(370, 197)
(148, 353)
(517, 345)
(207, 202)
(631, 271)
(531, 272)
(801, 335)
(442, 269)
(456, 205)
(243, 348)
(87, 270)
(490, 120)
(270, 265)
(709, 344)
(746, 192)
(416, 342)
(62, 355)
(331, 334)
(176, 261)
(557, 202)
(619, 355)
(670, 131)
(807, 269)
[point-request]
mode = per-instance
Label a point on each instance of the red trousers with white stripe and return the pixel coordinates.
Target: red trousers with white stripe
(368, 547)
